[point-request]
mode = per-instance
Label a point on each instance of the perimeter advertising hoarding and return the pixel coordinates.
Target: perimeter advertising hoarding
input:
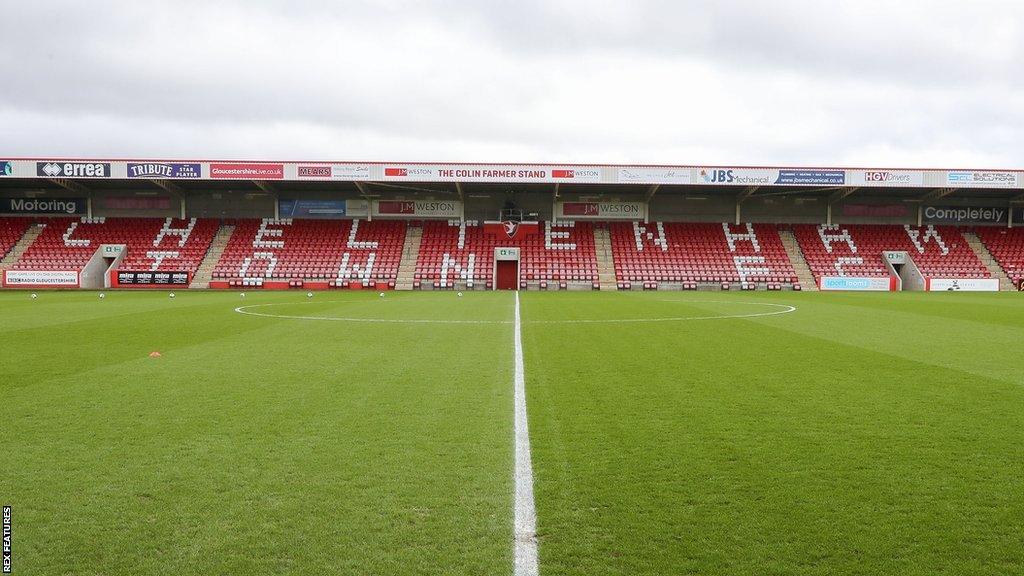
(855, 283)
(41, 278)
(962, 284)
(151, 278)
(654, 175)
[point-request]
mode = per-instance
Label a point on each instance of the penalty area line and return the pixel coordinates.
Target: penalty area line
(524, 511)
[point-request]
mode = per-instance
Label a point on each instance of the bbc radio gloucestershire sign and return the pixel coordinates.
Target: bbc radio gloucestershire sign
(43, 206)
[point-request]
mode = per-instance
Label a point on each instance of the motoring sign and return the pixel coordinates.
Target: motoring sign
(43, 206)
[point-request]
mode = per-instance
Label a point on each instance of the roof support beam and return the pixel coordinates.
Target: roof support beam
(840, 194)
(557, 184)
(651, 192)
(265, 186)
(458, 188)
(168, 186)
(937, 194)
(70, 185)
(746, 193)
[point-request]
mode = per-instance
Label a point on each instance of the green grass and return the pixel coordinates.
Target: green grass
(860, 434)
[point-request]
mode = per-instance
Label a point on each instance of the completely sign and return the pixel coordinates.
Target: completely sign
(600, 210)
(964, 215)
(962, 284)
(812, 177)
(150, 278)
(654, 175)
(73, 169)
(40, 278)
(886, 178)
(737, 176)
(418, 208)
(854, 283)
(43, 206)
(164, 170)
(312, 208)
(246, 171)
(981, 179)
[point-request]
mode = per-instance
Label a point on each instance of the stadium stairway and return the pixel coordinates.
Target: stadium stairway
(204, 273)
(796, 257)
(22, 245)
(605, 262)
(410, 253)
(988, 260)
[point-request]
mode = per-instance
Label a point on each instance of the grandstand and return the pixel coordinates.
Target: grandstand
(338, 225)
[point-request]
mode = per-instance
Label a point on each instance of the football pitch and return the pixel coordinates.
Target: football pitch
(671, 432)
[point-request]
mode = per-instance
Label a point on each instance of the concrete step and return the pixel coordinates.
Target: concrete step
(22, 245)
(205, 271)
(796, 257)
(988, 260)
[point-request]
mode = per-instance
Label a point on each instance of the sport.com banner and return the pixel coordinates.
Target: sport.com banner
(857, 283)
(40, 278)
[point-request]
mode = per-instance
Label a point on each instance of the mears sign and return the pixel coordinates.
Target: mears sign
(418, 208)
(43, 206)
(600, 210)
(73, 169)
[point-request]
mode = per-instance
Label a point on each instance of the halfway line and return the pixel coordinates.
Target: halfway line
(525, 513)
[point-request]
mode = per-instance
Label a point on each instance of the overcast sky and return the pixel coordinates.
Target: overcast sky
(915, 83)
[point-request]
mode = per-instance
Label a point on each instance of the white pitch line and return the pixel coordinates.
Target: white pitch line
(525, 512)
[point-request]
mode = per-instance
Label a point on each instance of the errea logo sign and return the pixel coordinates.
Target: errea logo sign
(73, 169)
